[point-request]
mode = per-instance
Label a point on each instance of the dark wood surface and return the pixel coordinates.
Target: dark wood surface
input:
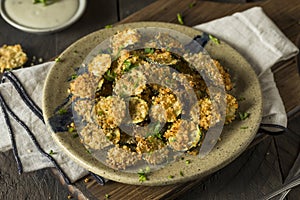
(257, 171)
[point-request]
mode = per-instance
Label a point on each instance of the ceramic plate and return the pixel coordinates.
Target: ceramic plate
(234, 138)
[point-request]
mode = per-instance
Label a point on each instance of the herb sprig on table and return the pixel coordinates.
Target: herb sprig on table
(45, 2)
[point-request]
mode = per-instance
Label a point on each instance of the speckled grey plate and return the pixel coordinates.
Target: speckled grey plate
(234, 139)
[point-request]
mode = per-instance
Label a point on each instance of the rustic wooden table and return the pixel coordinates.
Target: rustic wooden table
(257, 171)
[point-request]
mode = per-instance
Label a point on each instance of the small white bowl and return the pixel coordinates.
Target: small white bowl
(47, 28)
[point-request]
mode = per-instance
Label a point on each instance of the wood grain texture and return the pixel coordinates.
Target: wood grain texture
(37, 185)
(127, 7)
(288, 148)
(241, 178)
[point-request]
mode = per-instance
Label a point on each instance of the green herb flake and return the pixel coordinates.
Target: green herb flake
(149, 50)
(88, 151)
(62, 111)
(108, 26)
(181, 173)
(172, 139)
(100, 113)
(107, 196)
(192, 4)
(71, 129)
(143, 174)
(180, 19)
(214, 39)
(58, 59)
(74, 76)
(75, 135)
(158, 136)
(142, 177)
(128, 65)
(244, 127)
(170, 177)
(187, 162)
(244, 115)
(110, 76)
(51, 152)
(45, 2)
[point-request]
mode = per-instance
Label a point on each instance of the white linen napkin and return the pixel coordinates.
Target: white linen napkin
(33, 79)
(251, 32)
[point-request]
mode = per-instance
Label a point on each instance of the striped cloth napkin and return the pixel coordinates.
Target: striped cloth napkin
(251, 32)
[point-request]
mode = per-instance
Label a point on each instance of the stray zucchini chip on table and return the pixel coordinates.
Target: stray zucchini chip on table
(11, 56)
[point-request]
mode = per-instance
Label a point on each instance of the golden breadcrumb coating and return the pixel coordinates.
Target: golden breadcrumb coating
(11, 56)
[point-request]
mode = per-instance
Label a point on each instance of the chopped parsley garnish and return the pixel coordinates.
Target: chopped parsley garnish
(58, 59)
(158, 136)
(143, 174)
(149, 50)
(214, 39)
(74, 76)
(45, 2)
(108, 26)
(88, 151)
(71, 129)
(107, 196)
(180, 19)
(51, 152)
(110, 76)
(181, 173)
(244, 115)
(192, 4)
(62, 111)
(244, 127)
(187, 162)
(170, 177)
(128, 65)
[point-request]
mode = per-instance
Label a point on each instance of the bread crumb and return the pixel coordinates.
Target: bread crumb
(11, 56)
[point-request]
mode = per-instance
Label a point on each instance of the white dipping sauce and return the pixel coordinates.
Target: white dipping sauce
(25, 13)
